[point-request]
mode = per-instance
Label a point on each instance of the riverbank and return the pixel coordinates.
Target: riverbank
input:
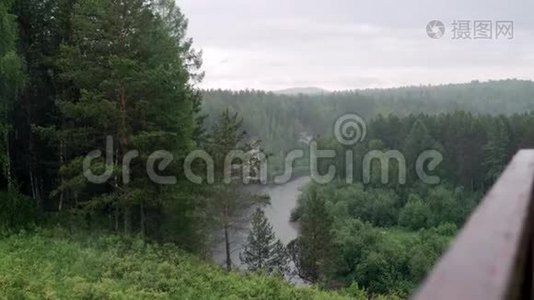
(284, 199)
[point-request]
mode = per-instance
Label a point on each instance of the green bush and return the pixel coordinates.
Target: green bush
(43, 266)
(16, 211)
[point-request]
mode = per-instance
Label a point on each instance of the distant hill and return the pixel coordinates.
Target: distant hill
(302, 91)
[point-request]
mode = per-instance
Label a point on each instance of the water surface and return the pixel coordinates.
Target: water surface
(283, 200)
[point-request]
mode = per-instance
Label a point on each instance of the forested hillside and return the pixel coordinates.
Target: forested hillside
(281, 119)
(395, 230)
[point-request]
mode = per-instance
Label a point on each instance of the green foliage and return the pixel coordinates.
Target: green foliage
(386, 261)
(281, 120)
(16, 211)
(225, 136)
(355, 292)
(262, 251)
(11, 81)
(379, 243)
(415, 214)
(496, 149)
(228, 204)
(133, 81)
(112, 267)
(315, 247)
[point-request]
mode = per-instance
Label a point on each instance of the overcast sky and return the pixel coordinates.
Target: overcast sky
(347, 44)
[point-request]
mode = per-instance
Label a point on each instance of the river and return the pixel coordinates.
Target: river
(283, 200)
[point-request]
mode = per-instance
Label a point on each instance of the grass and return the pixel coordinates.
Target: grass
(51, 264)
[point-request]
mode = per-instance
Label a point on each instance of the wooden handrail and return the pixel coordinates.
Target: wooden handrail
(492, 256)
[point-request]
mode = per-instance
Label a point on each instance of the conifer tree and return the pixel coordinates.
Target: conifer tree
(315, 242)
(11, 80)
(495, 151)
(417, 141)
(229, 202)
(130, 73)
(263, 251)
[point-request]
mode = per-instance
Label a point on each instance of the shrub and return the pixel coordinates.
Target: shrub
(16, 211)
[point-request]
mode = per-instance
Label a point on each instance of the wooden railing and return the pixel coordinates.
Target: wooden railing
(492, 256)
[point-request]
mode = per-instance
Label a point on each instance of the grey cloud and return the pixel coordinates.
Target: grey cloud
(340, 44)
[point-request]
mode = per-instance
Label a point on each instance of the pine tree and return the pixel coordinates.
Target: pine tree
(495, 151)
(43, 26)
(417, 141)
(229, 202)
(16, 210)
(262, 250)
(129, 73)
(11, 80)
(315, 244)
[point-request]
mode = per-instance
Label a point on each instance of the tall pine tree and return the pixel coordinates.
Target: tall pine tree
(315, 244)
(496, 150)
(129, 73)
(263, 251)
(229, 203)
(11, 81)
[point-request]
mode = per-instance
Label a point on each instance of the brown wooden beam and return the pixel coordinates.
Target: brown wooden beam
(491, 259)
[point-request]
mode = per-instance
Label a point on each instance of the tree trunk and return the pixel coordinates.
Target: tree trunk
(61, 163)
(8, 160)
(227, 245)
(142, 212)
(126, 220)
(117, 216)
(34, 180)
(116, 185)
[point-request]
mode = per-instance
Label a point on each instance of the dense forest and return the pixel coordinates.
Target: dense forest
(78, 74)
(89, 87)
(279, 119)
(386, 236)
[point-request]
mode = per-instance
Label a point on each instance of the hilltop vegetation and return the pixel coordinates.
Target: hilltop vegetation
(349, 231)
(279, 120)
(54, 265)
